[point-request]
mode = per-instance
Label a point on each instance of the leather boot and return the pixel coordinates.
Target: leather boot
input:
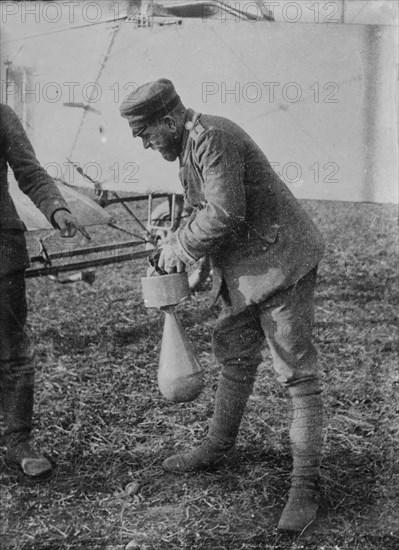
(306, 441)
(17, 402)
(230, 401)
(303, 502)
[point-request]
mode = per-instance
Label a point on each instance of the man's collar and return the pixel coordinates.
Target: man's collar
(186, 134)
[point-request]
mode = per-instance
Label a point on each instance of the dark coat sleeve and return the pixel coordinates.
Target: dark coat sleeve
(32, 178)
(219, 164)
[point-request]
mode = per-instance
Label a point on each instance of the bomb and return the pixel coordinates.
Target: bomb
(180, 375)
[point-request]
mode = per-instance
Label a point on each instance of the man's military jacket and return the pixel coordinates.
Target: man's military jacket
(258, 236)
(17, 151)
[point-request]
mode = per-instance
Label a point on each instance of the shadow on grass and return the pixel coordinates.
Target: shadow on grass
(79, 339)
(350, 480)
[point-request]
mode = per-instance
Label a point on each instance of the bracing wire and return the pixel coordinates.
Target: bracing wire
(99, 73)
(67, 29)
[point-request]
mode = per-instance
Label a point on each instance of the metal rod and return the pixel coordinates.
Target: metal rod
(78, 266)
(86, 251)
(123, 230)
(134, 198)
(171, 209)
(132, 214)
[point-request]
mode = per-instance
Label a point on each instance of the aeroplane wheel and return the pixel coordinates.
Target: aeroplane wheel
(199, 275)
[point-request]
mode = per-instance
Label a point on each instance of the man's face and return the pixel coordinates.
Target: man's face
(160, 137)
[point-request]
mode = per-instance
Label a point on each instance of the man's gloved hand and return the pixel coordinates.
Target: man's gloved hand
(168, 260)
(68, 224)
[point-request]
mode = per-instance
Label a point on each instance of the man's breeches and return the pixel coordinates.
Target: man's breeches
(286, 322)
(16, 359)
(14, 345)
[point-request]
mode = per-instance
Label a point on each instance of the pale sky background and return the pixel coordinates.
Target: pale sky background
(338, 141)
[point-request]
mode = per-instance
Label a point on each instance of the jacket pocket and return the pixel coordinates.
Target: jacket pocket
(258, 241)
(271, 236)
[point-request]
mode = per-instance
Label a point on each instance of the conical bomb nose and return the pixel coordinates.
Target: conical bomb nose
(180, 375)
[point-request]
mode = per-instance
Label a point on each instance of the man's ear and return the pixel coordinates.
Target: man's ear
(170, 123)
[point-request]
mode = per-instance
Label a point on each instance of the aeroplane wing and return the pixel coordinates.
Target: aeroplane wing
(82, 207)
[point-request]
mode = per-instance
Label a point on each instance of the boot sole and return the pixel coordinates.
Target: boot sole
(226, 458)
(17, 466)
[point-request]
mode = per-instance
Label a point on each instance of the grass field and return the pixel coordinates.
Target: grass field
(101, 417)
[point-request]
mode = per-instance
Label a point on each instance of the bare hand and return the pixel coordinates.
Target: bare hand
(68, 224)
(168, 261)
